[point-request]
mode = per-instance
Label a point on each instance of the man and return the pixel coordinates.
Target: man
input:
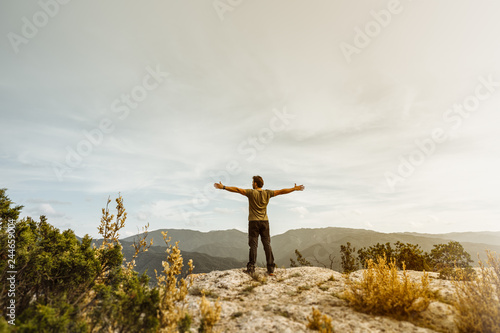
(258, 222)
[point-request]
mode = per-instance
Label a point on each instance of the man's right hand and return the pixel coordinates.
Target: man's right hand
(289, 190)
(299, 188)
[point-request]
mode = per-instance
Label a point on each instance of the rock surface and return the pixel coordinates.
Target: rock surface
(282, 303)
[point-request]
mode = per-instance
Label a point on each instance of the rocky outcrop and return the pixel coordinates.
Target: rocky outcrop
(282, 303)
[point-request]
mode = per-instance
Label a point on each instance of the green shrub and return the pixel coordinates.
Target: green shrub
(8, 212)
(411, 255)
(53, 268)
(365, 254)
(67, 285)
(4, 326)
(185, 324)
(447, 258)
(125, 303)
(60, 317)
(349, 262)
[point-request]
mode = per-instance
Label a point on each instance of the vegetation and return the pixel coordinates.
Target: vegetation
(382, 291)
(447, 259)
(349, 261)
(451, 261)
(7, 212)
(64, 284)
(67, 285)
(412, 256)
(319, 322)
(408, 254)
(209, 315)
(478, 301)
(300, 259)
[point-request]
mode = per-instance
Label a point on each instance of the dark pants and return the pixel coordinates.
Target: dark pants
(256, 228)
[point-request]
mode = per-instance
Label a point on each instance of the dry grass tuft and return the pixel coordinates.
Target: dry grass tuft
(478, 301)
(320, 322)
(210, 315)
(382, 291)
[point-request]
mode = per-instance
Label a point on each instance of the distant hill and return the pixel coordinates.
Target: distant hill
(152, 259)
(219, 243)
(190, 240)
(485, 237)
(314, 243)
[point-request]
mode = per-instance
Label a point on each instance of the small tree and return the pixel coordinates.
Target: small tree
(300, 259)
(349, 261)
(446, 257)
(7, 210)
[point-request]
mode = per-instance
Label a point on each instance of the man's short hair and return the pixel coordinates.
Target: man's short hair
(259, 181)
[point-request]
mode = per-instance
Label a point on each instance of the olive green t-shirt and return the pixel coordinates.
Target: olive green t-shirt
(257, 204)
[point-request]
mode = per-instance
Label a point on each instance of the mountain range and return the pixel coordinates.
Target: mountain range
(227, 249)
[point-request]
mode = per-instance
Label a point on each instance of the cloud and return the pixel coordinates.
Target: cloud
(46, 209)
(49, 211)
(51, 202)
(351, 123)
(223, 210)
(129, 233)
(301, 211)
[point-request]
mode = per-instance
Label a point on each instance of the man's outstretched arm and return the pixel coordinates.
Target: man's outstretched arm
(230, 188)
(289, 190)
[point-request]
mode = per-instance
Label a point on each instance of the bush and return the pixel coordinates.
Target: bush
(382, 292)
(478, 301)
(56, 318)
(125, 303)
(185, 324)
(411, 255)
(67, 285)
(4, 326)
(349, 261)
(451, 261)
(54, 269)
(365, 254)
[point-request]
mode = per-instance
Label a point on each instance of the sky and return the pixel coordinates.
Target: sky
(386, 111)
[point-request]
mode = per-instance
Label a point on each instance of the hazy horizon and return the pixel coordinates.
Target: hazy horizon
(245, 231)
(385, 110)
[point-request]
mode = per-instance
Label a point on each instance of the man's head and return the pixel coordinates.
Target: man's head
(258, 182)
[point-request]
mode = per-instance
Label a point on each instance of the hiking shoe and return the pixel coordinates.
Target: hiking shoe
(249, 271)
(271, 274)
